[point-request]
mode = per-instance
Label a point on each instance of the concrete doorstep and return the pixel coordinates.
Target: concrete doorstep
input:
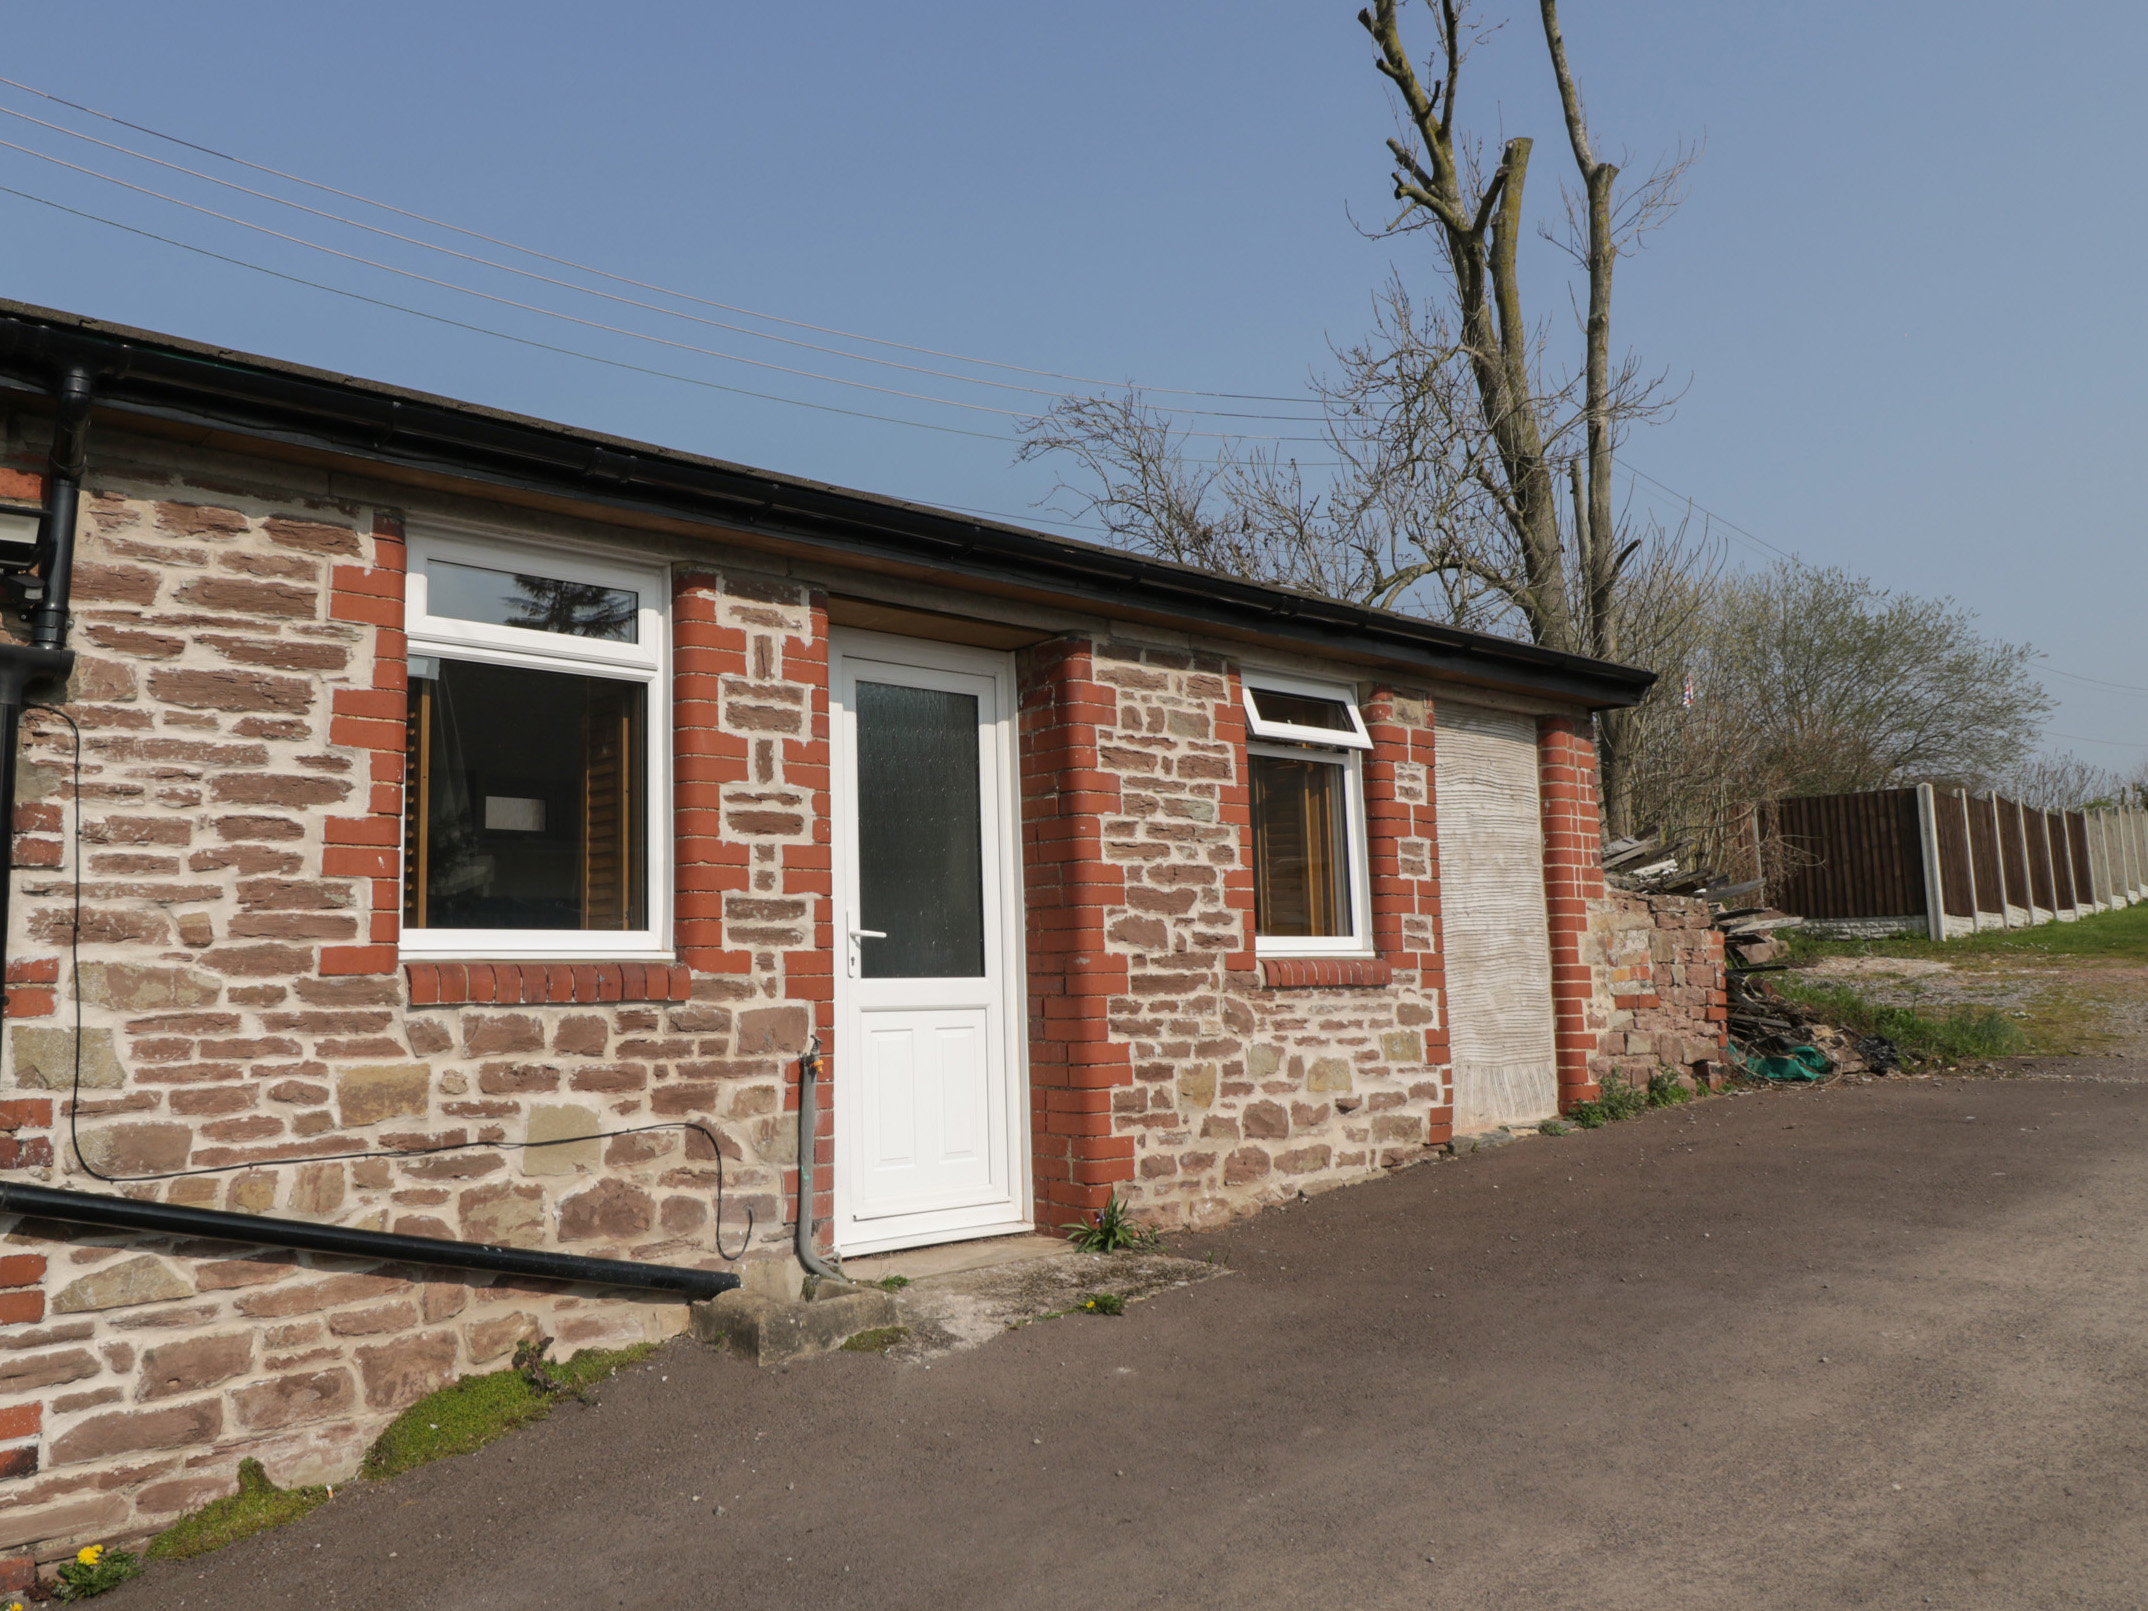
(769, 1330)
(960, 1296)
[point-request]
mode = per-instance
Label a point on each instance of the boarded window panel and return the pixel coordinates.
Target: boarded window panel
(1301, 873)
(1491, 850)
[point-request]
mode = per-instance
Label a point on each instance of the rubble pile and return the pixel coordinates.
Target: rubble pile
(1760, 1022)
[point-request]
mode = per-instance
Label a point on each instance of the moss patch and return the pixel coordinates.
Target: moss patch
(471, 1413)
(255, 1508)
(877, 1341)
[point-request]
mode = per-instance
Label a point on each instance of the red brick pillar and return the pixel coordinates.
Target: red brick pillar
(376, 720)
(1573, 878)
(705, 865)
(1402, 850)
(1073, 1062)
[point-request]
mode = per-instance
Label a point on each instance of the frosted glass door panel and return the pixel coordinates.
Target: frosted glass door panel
(920, 848)
(925, 1107)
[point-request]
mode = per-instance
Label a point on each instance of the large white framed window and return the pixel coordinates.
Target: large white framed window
(538, 793)
(1312, 891)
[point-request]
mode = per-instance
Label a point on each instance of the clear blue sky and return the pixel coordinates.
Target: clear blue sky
(1902, 295)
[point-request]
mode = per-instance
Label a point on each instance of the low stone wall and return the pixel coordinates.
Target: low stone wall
(1660, 1001)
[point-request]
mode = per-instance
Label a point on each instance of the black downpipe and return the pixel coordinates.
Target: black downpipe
(63, 497)
(45, 657)
(173, 1219)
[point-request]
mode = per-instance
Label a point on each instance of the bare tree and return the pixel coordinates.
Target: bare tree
(2068, 783)
(1469, 481)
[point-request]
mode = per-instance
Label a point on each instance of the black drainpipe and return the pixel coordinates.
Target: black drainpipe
(173, 1219)
(46, 658)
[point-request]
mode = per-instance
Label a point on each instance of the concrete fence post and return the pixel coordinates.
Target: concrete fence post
(1935, 897)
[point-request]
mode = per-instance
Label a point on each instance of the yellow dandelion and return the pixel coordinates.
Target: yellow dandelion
(90, 1554)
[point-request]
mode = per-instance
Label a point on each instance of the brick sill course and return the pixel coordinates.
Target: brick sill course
(1349, 973)
(457, 984)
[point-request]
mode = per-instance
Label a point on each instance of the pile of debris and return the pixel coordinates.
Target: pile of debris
(1767, 1030)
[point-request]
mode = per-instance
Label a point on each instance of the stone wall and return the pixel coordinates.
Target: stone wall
(240, 698)
(1209, 1083)
(1659, 1002)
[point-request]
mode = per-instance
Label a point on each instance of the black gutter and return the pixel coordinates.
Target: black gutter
(173, 1219)
(190, 383)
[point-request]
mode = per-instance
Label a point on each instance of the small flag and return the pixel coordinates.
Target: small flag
(1686, 700)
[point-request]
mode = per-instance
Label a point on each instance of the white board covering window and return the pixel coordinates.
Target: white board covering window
(1311, 892)
(537, 783)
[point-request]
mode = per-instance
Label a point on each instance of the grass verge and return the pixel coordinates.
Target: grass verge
(1959, 1034)
(471, 1413)
(2120, 936)
(255, 1508)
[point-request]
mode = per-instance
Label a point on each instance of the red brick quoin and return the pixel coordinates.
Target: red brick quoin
(1074, 1062)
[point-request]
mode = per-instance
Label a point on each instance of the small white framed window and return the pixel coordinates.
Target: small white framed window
(537, 793)
(1312, 891)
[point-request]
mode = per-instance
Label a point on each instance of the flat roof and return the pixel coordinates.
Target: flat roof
(222, 391)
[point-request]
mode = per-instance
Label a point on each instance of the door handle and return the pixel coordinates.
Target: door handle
(856, 957)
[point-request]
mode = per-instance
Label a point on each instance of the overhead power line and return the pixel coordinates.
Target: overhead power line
(621, 279)
(1633, 473)
(586, 290)
(569, 318)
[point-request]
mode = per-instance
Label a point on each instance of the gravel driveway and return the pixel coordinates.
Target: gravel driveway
(1877, 1345)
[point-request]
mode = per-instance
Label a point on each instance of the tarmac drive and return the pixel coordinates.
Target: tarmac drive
(1879, 1345)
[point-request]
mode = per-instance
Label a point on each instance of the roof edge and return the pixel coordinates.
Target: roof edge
(226, 389)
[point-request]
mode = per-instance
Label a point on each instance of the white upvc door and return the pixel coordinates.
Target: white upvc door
(931, 1124)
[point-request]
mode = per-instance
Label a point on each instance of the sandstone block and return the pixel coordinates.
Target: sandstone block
(402, 1372)
(771, 1031)
(550, 1122)
(1266, 1121)
(26, 1373)
(1263, 1061)
(1402, 1046)
(317, 1190)
(138, 989)
(488, 1339)
(193, 1363)
(611, 1209)
(1329, 1074)
(137, 1149)
(46, 1058)
(370, 1093)
(287, 1400)
(1197, 1085)
(1245, 1166)
(103, 1436)
(503, 1215)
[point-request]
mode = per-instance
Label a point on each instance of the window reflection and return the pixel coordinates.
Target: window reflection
(525, 805)
(534, 603)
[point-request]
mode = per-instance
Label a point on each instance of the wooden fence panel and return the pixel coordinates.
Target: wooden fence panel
(2014, 854)
(2035, 832)
(1852, 855)
(1984, 859)
(2084, 867)
(2061, 854)
(1957, 891)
